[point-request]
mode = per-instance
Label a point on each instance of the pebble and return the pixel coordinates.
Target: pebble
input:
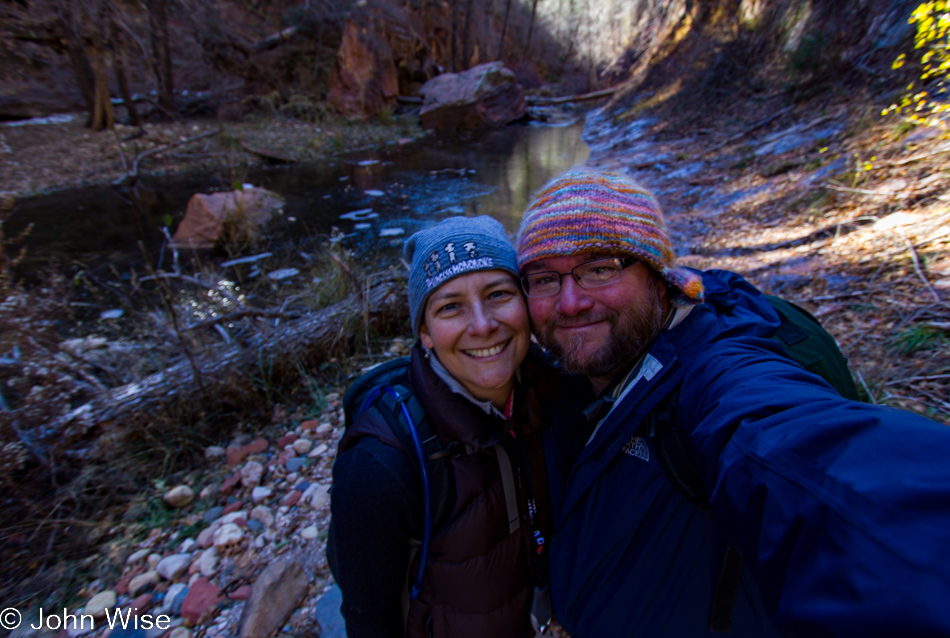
(231, 507)
(179, 496)
(296, 463)
(309, 425)
(291, 499)
(263, 515)
(200, 603)
(230, 482)
(142, 581)
(135, 557)
(320, 497)
(228, 534)
(255, 526)
(187, 545)
(260, 494)
(180, 632)
(213, 452)
(287, 439)
(241, 593)
(206, 492)
(309, 533)
(174, 566)
(174, 597)
(251, 474)
(324, 429)
(302, 446)
(153, 559)
(208, 562)
(97, 605)
(318, 451)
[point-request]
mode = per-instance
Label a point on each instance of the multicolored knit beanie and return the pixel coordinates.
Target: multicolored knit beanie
(590, 211)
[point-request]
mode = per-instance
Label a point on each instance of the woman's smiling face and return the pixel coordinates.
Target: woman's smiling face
(477, 325)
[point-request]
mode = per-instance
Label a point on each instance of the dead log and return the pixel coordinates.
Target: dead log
(548, 101)
(275, 40)
(308, 341)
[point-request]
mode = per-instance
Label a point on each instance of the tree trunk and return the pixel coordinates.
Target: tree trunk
(527, 42)
(467, 37)
(103, 117)
(504, 28)
(82, 69)
(118, 61)
(161, 55)
(453, 35)
(308, 341)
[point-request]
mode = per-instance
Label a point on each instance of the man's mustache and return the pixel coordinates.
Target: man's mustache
(581, 319)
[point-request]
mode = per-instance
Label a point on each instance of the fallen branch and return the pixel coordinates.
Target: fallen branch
(240, 314)
(134, 173)
(275, 40)
(838, 186)
(531, 100)
(917, 268)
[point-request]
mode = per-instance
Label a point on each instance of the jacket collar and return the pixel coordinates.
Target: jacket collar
(455, 417)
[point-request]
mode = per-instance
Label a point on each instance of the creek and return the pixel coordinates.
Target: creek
(393, 191)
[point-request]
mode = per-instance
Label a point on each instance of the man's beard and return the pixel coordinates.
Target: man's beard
(631, 334)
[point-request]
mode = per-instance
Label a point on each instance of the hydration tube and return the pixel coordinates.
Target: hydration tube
(426, 492)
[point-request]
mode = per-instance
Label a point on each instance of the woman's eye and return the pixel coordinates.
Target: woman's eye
(499, 294)
(449, 307)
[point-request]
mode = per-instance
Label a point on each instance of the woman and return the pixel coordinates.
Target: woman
(469, 374)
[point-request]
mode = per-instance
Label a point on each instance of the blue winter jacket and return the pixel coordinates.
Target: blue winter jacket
(841, 510)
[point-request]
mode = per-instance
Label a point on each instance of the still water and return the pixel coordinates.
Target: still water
(393, 192)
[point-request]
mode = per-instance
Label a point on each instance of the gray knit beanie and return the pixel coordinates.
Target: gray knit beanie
(456, 246)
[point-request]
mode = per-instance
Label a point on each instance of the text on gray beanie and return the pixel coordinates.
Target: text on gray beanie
(455, 246)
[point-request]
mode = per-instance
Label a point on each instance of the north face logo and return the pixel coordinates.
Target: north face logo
(637, 447)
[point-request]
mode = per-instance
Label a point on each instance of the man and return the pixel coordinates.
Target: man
(839, 510)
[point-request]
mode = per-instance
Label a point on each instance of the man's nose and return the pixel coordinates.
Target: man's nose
(572, 299)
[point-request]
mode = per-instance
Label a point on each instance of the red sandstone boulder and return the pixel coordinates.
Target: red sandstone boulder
(207, 214)
(485, 96)
(383, 54)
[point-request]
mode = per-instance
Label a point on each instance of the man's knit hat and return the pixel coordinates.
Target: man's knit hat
(590, 211)
(456, 246)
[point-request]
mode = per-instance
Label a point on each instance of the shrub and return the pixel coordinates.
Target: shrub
(925, 101)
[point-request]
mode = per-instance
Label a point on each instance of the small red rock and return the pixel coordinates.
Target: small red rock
(240, 522)
(285, 456)
(291, 499)
(241, 593)
(122, 587)
(199, 604)
(257, 446)
(230, 482)
(231, 507)
(141, 604)
(286, 440)
(309, 425)
(234, 454)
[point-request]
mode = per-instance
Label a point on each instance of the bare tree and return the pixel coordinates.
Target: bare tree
(504, 28)
(534, 12)
(161, 54)
(118, 63)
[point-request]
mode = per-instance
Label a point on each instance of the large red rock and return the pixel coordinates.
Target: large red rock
(278, 591)
(383, 54)
(207, 213)
(201, 602)
(485, 96)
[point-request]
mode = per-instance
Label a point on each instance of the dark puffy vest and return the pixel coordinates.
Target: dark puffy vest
(479, 577)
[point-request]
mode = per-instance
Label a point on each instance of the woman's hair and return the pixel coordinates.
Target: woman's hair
(456, 246)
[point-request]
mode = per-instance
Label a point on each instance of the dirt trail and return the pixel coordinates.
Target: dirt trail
(842, 211)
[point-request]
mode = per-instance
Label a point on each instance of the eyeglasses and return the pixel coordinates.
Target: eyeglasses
(592, 274)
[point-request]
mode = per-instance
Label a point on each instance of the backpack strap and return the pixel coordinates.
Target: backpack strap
(508, 484)
(671, 444)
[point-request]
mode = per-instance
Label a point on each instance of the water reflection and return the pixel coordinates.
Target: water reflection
(407, 187)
